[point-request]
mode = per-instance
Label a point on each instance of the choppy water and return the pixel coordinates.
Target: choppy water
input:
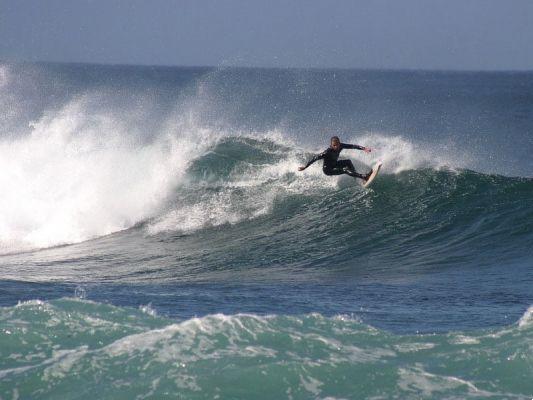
(71, 349)
(157, 240)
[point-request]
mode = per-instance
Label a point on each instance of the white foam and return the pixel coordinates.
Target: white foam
(62, 362)
(417, 380)
(463, 339)
(147, 309)
(527, 318)
(80, 174)
(248, 194)
(413, 347)
(310, 384)
(400, 154)
(261, 185)
(31, 303)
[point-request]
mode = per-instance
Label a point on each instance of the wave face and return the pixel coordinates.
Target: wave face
(78, 349)
(86, 151)
(234, 186)
(432, 211)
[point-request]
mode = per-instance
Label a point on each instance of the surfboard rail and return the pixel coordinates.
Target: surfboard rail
(375, 171)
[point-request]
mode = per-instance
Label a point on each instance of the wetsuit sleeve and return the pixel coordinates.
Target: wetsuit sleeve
(352, 146)
(315, 158)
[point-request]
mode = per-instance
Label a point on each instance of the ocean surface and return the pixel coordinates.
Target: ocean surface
(157, 240)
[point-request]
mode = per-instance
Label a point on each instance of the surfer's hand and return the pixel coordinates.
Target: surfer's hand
(367, 149)
(301, 168)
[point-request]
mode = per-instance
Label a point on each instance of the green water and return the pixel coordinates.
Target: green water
(74, 349)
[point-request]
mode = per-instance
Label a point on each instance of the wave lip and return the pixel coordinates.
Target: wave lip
(65, 346)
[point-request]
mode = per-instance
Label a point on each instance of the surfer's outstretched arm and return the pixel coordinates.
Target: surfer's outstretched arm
(355, 146)
(312, 160)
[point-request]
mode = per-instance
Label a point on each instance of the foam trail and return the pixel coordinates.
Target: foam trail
(399, 154)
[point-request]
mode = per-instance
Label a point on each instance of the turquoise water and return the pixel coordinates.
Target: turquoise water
(70, 348)
(156, 239)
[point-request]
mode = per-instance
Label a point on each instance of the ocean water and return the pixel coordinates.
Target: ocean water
(157, 240)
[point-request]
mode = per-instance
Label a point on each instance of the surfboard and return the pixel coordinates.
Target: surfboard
(375, 171)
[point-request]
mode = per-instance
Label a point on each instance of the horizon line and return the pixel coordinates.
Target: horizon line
(317, 68)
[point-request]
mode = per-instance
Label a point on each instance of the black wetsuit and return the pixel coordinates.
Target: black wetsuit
(334, 166)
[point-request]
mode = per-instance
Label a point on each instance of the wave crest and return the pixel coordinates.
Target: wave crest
(80, 174)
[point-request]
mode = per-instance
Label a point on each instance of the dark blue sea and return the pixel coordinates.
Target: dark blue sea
(157, 240)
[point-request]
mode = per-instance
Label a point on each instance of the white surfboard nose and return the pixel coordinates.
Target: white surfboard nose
(375, 171)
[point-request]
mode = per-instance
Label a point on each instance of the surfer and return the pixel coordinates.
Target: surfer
(332, 165)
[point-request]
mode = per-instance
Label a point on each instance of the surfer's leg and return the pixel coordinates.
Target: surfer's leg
(346, 166)
(333, 171)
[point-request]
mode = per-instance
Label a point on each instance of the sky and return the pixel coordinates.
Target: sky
(371, 34)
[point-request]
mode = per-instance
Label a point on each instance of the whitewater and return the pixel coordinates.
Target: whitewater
(157, 239)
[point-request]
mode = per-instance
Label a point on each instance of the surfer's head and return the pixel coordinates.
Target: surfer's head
(335, 143)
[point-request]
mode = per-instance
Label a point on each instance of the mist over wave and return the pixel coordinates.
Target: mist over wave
(79, 174)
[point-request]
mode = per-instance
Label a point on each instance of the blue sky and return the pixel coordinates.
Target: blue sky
(394, 34)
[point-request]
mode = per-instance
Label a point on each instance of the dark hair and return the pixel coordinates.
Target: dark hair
(335, 138)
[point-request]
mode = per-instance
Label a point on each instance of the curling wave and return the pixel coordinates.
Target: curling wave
(77, 177)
